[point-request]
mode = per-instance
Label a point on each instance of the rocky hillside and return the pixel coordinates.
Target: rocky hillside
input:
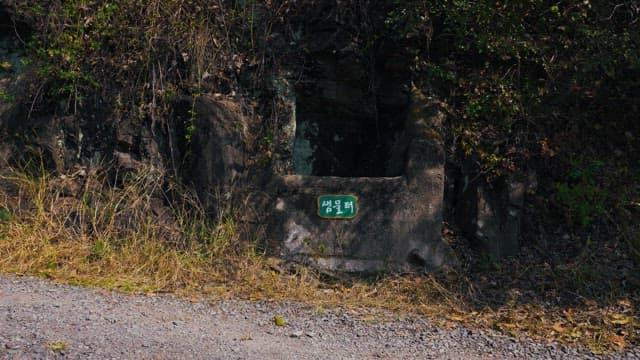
(490, 136)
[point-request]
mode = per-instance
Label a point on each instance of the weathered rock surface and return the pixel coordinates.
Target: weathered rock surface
(399, 219)
(218, 156)
(492, 215)
(351, 125)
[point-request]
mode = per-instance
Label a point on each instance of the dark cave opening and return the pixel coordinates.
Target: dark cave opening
(350, 118)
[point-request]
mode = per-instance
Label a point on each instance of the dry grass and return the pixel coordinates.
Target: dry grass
(114, 236)
(139, 237)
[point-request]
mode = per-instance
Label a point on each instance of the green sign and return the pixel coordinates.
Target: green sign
(337, 206)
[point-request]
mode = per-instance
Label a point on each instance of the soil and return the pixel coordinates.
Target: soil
(40, 319)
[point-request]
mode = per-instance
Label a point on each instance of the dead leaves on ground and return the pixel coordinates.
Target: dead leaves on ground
(600, 329)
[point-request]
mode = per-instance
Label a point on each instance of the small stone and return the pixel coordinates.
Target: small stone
(296, 334)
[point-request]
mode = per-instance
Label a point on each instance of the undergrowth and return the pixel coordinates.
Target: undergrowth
(132, 234)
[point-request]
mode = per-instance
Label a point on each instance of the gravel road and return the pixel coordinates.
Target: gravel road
(98, 324)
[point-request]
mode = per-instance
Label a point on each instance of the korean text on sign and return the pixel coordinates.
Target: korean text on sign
(337, 206)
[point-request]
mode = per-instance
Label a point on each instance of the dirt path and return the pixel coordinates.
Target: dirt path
(93, 323)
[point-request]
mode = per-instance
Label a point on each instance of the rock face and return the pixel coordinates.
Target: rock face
(492, 215)
(217, 148)
(350, 124)
(399, 218)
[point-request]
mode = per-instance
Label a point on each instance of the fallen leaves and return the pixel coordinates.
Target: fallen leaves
(618, 341)
(619, 319)
(455, 317)
(279, 321)
(557, 327)
(57, 346)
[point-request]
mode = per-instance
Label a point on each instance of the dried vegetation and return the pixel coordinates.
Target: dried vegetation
(548, 87)
(133, 235)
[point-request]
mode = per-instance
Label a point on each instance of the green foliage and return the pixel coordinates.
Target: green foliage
(488, 262)
(516, 71)
(190, 124)
(5, 215)
(101, 249)
(5, 97)
(138, 55)
(268, 137)
(581, 195)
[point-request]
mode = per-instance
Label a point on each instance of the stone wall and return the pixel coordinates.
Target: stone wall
(399, 220)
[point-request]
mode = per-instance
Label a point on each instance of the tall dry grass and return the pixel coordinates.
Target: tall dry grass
(129, 236)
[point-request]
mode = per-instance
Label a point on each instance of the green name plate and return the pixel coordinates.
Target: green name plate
(337, 206)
